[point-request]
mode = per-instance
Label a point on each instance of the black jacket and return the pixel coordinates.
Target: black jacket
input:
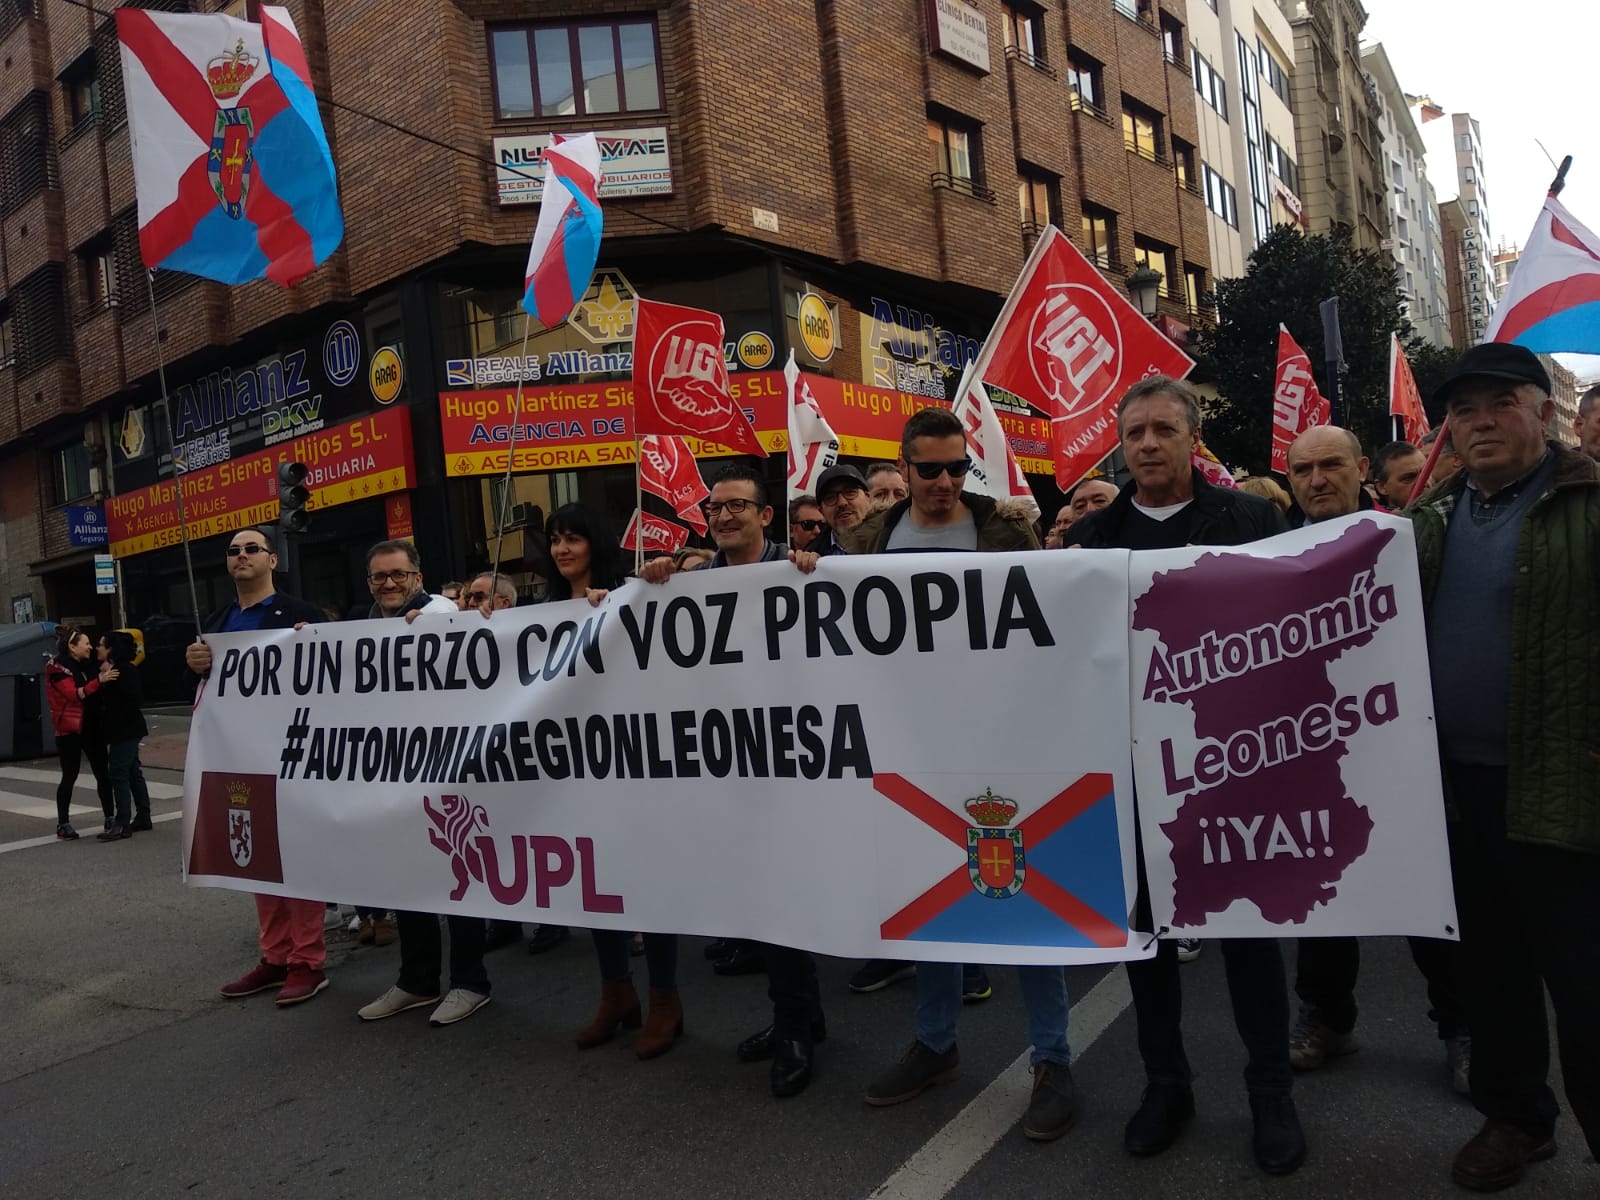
(1222, 517)
(120, 717)
(286, 612)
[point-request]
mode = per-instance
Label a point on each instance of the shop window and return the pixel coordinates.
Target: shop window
(581, 69)
(1100, 236)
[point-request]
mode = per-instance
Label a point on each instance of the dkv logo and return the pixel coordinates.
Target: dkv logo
(461, 831)
(1075, 348)
(691, 380)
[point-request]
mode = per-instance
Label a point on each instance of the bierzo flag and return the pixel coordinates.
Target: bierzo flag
(1552, 304)
(813, 446)
(232, 170)
(1297, 405)
(680, 381)
(1070, 344)
(1405, 401)
(566, 240)
(667, 469)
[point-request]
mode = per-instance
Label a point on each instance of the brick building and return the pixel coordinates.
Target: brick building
(836, 177)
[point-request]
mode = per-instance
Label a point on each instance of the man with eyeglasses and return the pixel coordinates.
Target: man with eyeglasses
(842, 496)
(805, 522)
(939, 515)
(394, 577)
(738, 514)
(293, 951)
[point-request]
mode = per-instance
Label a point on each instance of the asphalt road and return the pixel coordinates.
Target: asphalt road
(124, 1075)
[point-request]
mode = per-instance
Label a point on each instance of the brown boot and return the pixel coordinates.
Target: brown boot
(365, 933)
(383, 931)
(663, 1026)
(619, 1009)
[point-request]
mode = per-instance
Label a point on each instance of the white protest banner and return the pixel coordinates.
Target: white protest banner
(1284, 744)
(902, 757)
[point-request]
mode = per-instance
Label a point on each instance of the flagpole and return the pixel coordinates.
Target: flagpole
(172, 448)
(638, 494)
(511, 452)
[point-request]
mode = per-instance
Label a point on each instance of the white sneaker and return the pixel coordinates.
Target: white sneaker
(459, 1004)
(355, 924)
(391, 1002)
(1189, 949)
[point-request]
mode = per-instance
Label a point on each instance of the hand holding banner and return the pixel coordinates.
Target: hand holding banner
(1297, 405)
(680, 382)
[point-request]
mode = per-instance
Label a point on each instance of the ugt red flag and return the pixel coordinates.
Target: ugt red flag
(1405, 401)
(1070, 344)
(657, 534)
(667, 469)
(1297, 405)
(680, 383)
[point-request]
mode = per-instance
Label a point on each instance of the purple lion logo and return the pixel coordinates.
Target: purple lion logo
(455, 821)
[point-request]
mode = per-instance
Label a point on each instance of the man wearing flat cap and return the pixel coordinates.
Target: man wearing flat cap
(1509, 551)
(842, 496)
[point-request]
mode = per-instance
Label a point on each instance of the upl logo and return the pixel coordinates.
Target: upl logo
(1075, 349)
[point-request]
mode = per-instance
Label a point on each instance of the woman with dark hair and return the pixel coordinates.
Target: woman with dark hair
(72, 691)
(589, 562)
(122, 723)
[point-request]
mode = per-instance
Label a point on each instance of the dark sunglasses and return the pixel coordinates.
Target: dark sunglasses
(932, 470)
(247, 548)
(811, 526)
(478, 597)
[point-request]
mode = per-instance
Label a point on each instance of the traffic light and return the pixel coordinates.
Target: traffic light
(292, 497)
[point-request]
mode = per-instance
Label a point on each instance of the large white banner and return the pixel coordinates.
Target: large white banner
(1284, 740)
(904, 757)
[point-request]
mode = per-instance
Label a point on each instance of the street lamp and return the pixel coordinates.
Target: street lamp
(1144, 285)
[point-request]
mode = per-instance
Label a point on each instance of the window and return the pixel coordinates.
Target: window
(1022, 26)
(1037, 200)
(1194, 287)
(1213, 88)
(1172, 39)
(82, 91)
(1183, 159)
(1468, 176)
(1083, 79)
(1127, 8)
(71, 475)
(27, 161)
(1277, 78)
(8, 336)
(1158, 257)
(1100, 236)
(957, 160)
(97, 265)
(43, 332)
(1281, 165)
(575, 70)
(1141, 131)
(1220, 196)
(1255, 137)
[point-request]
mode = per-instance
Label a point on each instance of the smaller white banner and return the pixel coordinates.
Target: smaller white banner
(961, 31)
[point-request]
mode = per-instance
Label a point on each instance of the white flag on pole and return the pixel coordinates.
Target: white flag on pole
(995, 471)
(813, 446)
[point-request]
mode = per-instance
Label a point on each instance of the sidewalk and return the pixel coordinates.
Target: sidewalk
(167, 744)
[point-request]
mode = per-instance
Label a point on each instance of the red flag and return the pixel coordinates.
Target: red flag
(680, 383)
(659, 533)
(1211, 467)
(667, 469)
(1297, 405)
(1070, 344)
(1405, 401)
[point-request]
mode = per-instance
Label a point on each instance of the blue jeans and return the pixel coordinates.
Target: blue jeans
(1044, 994)
(127, 783)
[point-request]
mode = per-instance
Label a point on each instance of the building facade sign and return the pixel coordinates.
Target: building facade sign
(907, 350)
(960, 31)
(633, 162)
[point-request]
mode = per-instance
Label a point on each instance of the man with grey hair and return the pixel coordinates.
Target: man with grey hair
(1170, 504)
(1509, 554)
(1587, 423)
(489, 593)
(394, 577)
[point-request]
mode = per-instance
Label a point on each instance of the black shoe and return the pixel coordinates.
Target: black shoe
(880, 973)
(140, 824)
(1054, 1106)
(758, 1047)
(501, 934)
(791, 1066)
(720, 948)
(547, 937)
(919, 1069)
(1160, 1119)
(1279, 1142)
(1496, 1155)
(115, 834)
(748, 958)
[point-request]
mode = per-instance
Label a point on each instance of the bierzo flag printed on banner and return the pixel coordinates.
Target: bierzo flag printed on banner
(1211, 467)
(813, 446)
(752, 752)
(566, 240)
(651, 533)
(1405, 401)
(680, 381)
(1287, 771)
(1552, 304)
(232, 170)
(994, 470)
(1297, 405)
(667, 469)
(1070, 344)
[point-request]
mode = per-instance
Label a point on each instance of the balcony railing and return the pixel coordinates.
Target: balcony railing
(1079, 104)
(1018, 54)
(1148, 153)
(956, 183)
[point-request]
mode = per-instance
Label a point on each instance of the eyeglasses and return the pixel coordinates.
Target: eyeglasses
(735, 507)
(932, 470)
(839, 493)
(251, 548)
(478, 597)
(379, 577)
(811, 526)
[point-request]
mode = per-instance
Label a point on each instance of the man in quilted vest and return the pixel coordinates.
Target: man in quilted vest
(1509, 551)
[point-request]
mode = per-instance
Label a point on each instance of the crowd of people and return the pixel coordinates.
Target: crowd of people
(1508, 542)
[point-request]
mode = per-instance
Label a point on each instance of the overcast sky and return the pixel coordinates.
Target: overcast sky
(1526, 70)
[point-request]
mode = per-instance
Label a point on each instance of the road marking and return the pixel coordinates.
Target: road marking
(158, 791)
(946, 1157)
(34, 806)
(52, 839)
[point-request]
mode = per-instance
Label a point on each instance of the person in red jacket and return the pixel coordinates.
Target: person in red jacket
(72, 687)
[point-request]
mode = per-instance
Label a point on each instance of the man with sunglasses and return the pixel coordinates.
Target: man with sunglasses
(805, 522)
(293, 952)
(939, 515)
(738, 514)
